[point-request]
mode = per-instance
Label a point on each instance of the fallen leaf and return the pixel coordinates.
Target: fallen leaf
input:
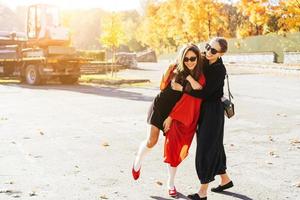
(103, 197)
(282, 114)
(159, 183)
(295, 141)
(272, 153)
(38, 156)
(32, 194)
(271, 139)
(10, 182)
(105, 144)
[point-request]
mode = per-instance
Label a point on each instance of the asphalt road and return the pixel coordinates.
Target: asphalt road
(78, 142)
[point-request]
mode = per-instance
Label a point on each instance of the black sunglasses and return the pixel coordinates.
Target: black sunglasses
(192, 59)
(212, 50)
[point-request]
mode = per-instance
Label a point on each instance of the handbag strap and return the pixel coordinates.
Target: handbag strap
(229, 93)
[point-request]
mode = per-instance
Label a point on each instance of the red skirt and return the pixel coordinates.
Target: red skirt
(177, 143)
(178, 139)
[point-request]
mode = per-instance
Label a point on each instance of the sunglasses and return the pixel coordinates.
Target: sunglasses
(212, 50)
(192, 59)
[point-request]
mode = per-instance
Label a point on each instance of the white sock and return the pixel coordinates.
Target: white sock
(143, 150)
(171, 178)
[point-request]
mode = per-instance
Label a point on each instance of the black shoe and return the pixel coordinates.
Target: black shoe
(196, 197)
(223, 187)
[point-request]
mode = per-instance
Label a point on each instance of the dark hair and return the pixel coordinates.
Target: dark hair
(182, 69)
(222, 42)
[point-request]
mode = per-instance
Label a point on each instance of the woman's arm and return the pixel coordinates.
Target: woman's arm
(167, 124)
(166, 78)
(214, 80)
(195, 84)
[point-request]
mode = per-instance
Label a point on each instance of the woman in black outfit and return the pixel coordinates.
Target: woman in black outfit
(210, 154)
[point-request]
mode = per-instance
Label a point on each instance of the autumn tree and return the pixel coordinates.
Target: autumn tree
(152, 32)
(255, 13)
(113, 35)
(169, 24)
(289, 11)
(231, 18)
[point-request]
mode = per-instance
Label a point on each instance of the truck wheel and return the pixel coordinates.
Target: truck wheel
(68, 79)
(32, 75)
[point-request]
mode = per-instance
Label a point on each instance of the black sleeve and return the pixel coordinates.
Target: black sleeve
(214, 80)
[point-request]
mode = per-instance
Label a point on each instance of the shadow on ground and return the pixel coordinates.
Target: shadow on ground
(114, 92)
(236, 195)
(180, 196)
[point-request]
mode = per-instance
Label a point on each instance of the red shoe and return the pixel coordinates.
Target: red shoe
(136, 174)
(173, 192)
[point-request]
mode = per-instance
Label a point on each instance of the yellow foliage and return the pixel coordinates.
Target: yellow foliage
(256, 12)
(290, 16)
(113, 33)
(170, 23)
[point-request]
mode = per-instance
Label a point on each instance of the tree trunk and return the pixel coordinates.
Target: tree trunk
(113, 61)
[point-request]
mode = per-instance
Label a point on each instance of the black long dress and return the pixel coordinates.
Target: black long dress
(162, 105)
(210, 154)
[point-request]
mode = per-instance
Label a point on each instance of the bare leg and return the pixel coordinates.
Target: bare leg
(224, 179)
(203, 190)
(146, 146)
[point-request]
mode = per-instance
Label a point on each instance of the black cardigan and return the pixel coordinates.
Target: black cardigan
(214, 75)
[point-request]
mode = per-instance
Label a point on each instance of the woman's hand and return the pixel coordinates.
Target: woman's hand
(167, 124)
(195, 85)
(176, 86)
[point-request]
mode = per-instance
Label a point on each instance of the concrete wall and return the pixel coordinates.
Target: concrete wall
(291, 57)
(263, 57)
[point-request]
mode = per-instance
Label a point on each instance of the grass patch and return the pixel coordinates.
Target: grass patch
(3, 81)
(87, 78)
(109, 80)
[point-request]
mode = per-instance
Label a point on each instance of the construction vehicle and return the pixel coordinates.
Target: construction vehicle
(43, 53)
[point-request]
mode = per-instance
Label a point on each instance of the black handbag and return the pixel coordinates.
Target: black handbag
(227, 103)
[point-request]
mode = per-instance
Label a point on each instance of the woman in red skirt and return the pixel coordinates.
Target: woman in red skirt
(180, 126)
(174, 113)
